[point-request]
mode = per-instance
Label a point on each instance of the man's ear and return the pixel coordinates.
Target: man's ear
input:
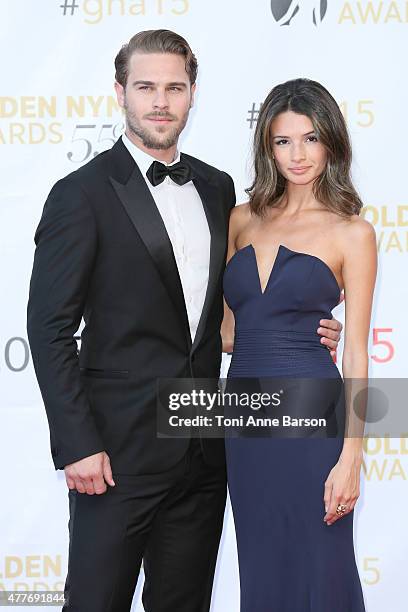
(193, 89)
(120, 94)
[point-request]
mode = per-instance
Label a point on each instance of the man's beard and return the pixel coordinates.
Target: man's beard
(150, 139)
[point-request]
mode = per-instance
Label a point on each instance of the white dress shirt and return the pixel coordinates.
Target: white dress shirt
(186, 224)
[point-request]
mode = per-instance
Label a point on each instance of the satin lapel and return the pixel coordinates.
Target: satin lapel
(143, 213)
(210, 197)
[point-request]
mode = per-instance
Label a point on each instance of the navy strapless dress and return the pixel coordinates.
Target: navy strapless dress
(289, 559)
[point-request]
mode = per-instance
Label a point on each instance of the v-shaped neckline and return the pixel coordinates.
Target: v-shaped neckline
(271, 273)
(263, 291)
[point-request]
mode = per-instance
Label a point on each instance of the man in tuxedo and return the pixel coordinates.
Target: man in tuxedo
(134, 242)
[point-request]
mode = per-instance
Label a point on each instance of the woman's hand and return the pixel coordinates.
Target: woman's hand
(330, 330)
(342, 486)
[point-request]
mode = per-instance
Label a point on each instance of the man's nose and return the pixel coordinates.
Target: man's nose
(160, 99)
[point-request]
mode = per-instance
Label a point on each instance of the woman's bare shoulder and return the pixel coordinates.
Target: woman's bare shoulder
(357, 229)
(354, 238)
(240, 215)
(241, 210)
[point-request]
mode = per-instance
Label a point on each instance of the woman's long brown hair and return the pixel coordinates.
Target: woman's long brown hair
(334, 187)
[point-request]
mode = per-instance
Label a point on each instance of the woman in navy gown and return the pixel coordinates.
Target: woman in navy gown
(292, 249)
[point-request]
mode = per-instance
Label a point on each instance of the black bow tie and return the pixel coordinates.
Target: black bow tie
(180, 173)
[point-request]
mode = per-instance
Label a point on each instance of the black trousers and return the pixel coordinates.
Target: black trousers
(172, 520)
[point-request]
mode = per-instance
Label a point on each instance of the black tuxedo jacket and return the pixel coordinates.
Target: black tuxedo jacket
(103, 253)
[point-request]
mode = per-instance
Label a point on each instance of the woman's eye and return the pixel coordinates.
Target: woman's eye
(312, 138)
(282, 141)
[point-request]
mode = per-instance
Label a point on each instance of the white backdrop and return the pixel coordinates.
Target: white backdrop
(57, 110)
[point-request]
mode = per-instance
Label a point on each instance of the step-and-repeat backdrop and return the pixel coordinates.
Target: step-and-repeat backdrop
(58, 110)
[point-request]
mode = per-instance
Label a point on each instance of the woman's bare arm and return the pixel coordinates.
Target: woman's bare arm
(238, 217)
(359, 272)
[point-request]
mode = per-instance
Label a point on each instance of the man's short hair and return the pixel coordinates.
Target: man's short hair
(155, 41)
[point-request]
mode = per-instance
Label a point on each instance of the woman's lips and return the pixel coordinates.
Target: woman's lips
(300, 170)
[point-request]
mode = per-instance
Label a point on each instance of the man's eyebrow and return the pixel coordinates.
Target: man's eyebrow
(143, 83)
(173, 84)
(177, 84)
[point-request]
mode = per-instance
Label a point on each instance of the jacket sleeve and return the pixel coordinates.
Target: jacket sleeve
(230, 190)
(66, 246)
